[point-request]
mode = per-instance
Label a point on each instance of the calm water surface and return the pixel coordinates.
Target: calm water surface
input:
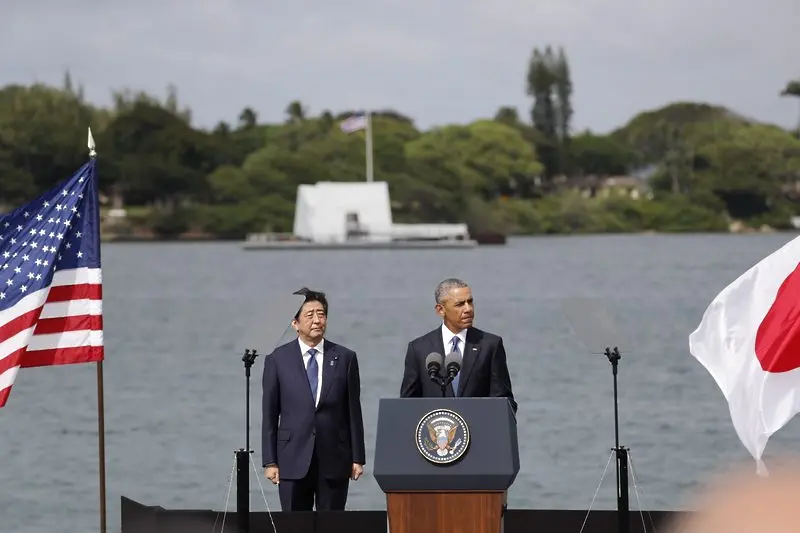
(174, 380)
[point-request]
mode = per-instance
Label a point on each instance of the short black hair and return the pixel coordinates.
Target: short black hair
(311, 296)
(447, 285)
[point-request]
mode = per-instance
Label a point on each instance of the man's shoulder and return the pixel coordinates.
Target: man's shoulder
(286, 349)
(425, 337)
(480, 335)
(340, 349)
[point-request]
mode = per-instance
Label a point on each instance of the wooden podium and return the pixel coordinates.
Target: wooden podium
(445, 464)
(445, 512)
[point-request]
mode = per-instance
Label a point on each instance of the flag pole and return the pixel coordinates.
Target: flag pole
(102, 446)
(101, 431)
(368, 137)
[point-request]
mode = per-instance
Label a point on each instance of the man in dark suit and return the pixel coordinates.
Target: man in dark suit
(484, 371)
(312, 429)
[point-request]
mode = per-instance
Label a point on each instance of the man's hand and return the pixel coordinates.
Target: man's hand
(357, 471)
(273, 474)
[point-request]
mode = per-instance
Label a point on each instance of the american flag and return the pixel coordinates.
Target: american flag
(51, 309)
(354, 123)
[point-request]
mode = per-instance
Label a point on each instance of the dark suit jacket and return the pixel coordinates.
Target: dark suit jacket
(484, 371)
(293, 429)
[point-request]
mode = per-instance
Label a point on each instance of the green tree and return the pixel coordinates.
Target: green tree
(488, 158)
(157, 156)
(126, 100)
(563, 92)
(295, 112)
(39, 127)
(599, 155)
(541, 81)
(748, 169)
(508, 116)
(248, 118)
(709, 164)
(793, 89)
(549, 82)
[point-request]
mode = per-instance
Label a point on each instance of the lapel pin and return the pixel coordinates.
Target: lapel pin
(331, 363)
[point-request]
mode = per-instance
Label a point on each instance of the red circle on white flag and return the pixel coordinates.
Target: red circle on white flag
(778, 335)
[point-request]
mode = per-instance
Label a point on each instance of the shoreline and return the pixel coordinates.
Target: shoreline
(126, 239)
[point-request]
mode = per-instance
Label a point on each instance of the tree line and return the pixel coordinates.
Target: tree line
(685, 167)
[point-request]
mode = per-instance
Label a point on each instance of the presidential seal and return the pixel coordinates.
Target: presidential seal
(442, 436)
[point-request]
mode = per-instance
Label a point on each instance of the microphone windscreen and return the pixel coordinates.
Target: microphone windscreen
(433, 358)
(453, 358)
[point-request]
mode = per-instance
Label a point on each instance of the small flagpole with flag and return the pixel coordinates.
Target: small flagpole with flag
(358, 122)
(369, 146)
(101, 412)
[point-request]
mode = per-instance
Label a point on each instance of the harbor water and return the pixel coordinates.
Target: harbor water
(174, 319)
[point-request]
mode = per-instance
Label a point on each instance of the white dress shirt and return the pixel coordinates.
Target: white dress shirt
(304, 348)
(447, 339)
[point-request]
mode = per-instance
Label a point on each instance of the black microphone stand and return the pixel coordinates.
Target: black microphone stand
(623, 505)
(439, 380)
(243, 454)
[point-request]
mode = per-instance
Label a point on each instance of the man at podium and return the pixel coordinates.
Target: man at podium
(483, 371)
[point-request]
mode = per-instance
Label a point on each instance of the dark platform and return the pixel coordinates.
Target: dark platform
(139, 518)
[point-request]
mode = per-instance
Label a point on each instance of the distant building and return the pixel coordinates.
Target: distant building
(357, 213)
(339, 211)
(597, 186)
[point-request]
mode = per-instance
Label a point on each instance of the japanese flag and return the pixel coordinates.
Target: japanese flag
(749, 341)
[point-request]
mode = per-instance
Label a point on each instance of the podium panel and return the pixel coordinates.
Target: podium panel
(490, 461)
(432, 512)
(445, 464)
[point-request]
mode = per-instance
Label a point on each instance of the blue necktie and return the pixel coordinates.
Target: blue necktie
(455, 379)
(311, 371)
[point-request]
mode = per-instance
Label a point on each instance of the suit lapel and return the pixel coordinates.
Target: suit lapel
(301, 370)
(435, 338)
(437, 343)
(472, 348)
(330, 360)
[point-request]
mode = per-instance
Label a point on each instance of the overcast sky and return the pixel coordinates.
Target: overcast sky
(436, 61)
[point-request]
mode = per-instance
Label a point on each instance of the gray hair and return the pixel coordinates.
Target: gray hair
(446, 286)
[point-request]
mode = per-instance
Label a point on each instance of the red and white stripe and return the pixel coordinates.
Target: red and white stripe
(58, 325)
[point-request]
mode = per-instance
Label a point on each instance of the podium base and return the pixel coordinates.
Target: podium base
(445, 512)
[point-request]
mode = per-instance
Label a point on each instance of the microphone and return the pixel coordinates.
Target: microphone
(434, 363)
(452, 364)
